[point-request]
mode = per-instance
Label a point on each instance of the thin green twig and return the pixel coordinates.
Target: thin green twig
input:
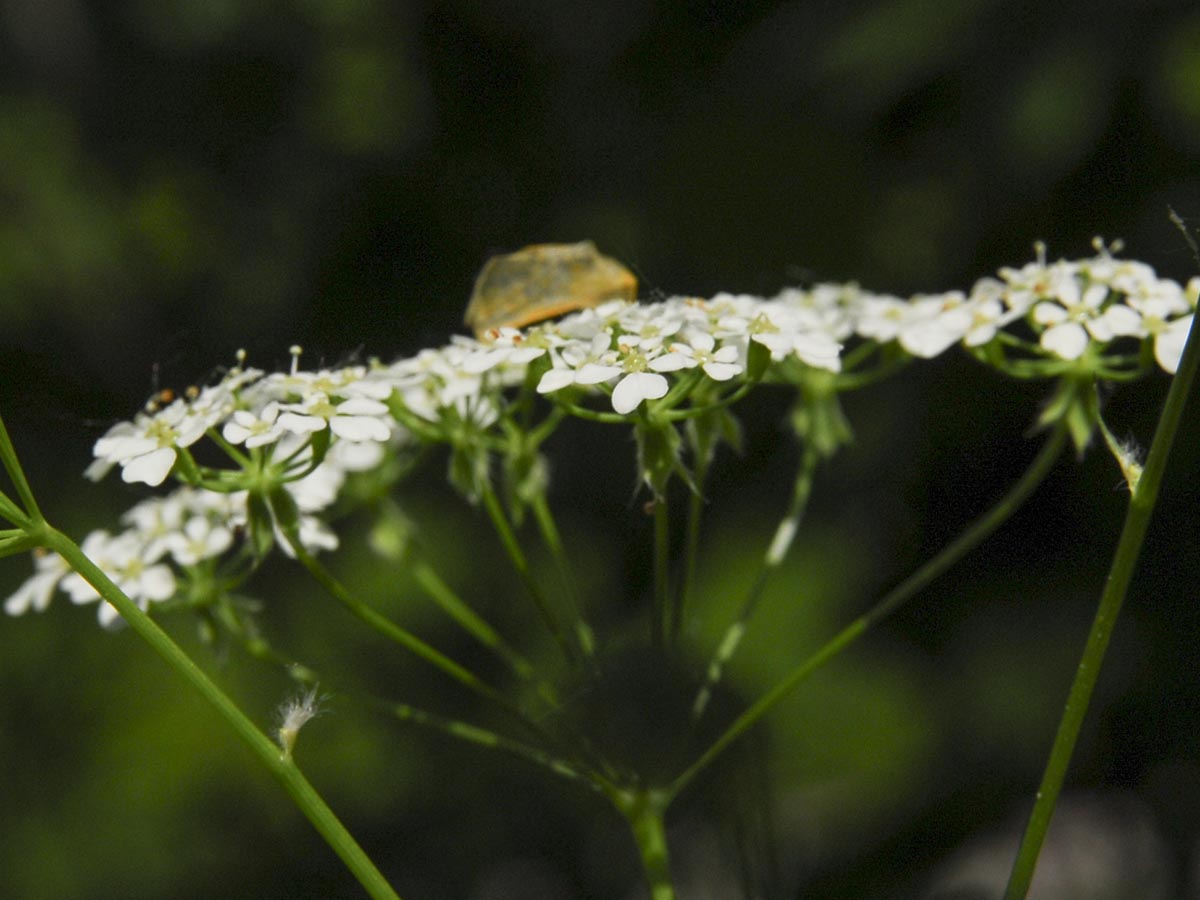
(521, 564)
(475, 625)
(457, 729)
(774, 556)
(553, 541)
(405, 638)
(691, 552)
(662, 549)
(977, 532)
(12, 465)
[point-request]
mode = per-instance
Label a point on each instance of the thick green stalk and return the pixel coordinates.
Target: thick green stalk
(1137, 518)
(269, 753)
(975, 534)
(644, 811)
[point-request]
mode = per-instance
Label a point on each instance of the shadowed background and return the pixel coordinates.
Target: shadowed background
(183, 178)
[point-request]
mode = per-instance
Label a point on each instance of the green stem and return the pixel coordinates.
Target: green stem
(482, 737)
(474, 624)
(519, 561)
(12, 513)
(1137, 518)
(553, 541)
(785, 533)
(401, 636)
(644, 811)
(975, 534)
(280, 765)
(692, 412)
(12, 465)
(260, 649)
(684, 597)
(662, 611)
(590, 415)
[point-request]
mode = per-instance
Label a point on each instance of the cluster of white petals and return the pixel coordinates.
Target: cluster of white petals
(1080, 304)
(629, 353)
(186, 526)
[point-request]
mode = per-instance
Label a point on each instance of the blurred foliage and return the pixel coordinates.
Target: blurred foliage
(182, 178)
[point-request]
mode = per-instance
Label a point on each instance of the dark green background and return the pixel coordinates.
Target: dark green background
(183, 178)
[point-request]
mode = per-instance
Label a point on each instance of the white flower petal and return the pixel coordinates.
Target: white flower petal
(1067, 341)
(361, 406)
(150, 468)
(157, 583)
(591, 373)
(555, 380)
(719, 371)
(359, 428)
(1123, 321)
(1048, 313)
(300, 424)
(672, 362)
(636, 387)
(34, 594)
(928, 340)
(1168, 345)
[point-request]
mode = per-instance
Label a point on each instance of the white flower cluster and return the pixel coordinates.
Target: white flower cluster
(187, 525)
(629, 351)
(1075, 305)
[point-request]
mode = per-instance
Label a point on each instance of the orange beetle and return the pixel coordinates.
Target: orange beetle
(543, 281)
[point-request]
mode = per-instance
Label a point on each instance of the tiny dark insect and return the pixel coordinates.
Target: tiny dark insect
(543, 281)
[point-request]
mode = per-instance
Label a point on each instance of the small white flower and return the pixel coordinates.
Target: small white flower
(254, 429)
(156, 521)
(815, 348)
(319, 488)
(826, 309)
(1159, 311)
(1073, 318)
(35, 593)
(644, 327)
(122, 558)
(434, 380)
(499, 347)
(315, 535)
(698, 350)
(880, 318)
(934, 323)
(635, 387)
(147, 447)
(354, 419)
(581, 362)
(199, 539)
(989, 312)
